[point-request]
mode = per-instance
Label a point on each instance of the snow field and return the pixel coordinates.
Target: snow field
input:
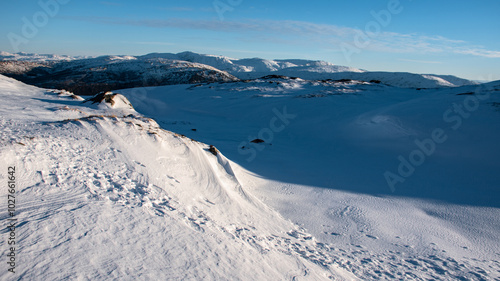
(109, 195)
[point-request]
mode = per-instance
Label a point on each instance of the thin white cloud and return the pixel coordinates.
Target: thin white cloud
(479, 52)
(421, 61)
(148, 43)
(178, 9)
(319, 34)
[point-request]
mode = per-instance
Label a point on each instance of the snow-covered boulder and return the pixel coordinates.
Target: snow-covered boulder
(111, 100)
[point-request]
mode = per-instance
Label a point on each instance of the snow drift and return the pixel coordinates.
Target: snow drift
(105, 193)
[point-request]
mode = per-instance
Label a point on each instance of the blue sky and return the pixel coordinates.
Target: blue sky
(442, 37)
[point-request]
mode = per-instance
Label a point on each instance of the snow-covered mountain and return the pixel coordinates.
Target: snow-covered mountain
(242, 67)
(119, 186)
(31, 57)
(313, 70)
(89, 76)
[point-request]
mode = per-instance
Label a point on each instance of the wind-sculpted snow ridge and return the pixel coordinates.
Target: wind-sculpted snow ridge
(107, 194)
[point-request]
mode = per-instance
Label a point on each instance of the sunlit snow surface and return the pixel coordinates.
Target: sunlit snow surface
(106, 193)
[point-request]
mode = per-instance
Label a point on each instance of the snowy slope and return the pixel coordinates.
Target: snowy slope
(396, 79)
(327, 146)
(105, 194)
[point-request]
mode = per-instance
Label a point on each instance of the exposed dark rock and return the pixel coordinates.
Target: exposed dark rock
(257, 141)
(213, 150)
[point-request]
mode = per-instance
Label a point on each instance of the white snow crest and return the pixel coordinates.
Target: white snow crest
(100, 186)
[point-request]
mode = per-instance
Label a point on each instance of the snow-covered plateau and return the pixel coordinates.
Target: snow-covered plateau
(274, 178)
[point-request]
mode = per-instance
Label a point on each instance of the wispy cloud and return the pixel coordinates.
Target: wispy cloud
(321, 34)
(421, 61)
(148, 43)
(178, 9)
(479, 52)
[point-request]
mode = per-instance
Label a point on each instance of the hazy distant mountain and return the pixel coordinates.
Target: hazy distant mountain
(31, 57)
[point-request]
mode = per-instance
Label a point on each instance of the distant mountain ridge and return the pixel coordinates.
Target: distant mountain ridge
(255, 65)
(93, 75)
(32, 57)
(90, 75)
